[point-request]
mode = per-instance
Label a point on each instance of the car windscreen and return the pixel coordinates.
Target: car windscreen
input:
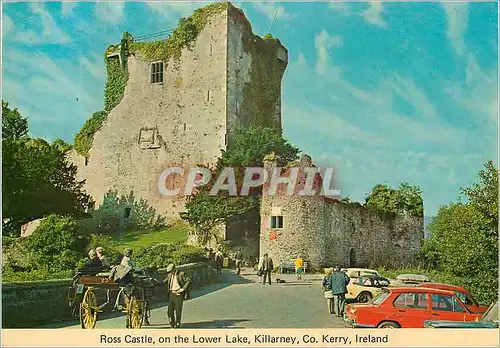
(377, 300)
(491, 314)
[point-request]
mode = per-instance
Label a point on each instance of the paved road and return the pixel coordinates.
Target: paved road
(239, 301)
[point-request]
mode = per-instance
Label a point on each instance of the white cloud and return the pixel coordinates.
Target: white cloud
(7, 25)
(270, 9)
(112, 12)
(372, 15)
(174, 10)
(68, 7)
(323, 43)
(412, 94)
(314, 119)
(55, 92)
(94, 65)
(479, 94)
(457, 17)
(342, 7)
(50, 32)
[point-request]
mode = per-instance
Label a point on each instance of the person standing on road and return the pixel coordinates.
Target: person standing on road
(266, 268)
(176, 284)
(239, 260)
(219, 260)
(299, 266)
(327, 292)
(338, 286)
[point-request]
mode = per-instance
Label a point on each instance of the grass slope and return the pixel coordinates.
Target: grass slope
(144, 239)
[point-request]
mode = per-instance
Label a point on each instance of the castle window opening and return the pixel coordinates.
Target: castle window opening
(208, 95)
(277, 221)
(184, 127)
(126, 214)
(211, 48)
(157, 72)
(86, 161)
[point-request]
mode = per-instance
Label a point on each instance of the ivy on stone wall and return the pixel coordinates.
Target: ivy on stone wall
(117, 76)
(183, 36)
(85, 137)
(263, 93)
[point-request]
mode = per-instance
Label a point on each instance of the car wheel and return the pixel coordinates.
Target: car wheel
(364, 297)
(388, 325)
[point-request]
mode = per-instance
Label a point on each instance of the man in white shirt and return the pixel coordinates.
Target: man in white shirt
(176, 284)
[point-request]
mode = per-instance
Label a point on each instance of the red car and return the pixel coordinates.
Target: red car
(407, 308)
(463, 294)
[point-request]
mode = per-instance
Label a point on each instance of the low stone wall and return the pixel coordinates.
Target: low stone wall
(37, 303)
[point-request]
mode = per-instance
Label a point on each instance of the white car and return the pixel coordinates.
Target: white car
(354, 273)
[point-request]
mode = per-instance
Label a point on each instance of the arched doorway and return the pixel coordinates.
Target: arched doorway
(352, 258)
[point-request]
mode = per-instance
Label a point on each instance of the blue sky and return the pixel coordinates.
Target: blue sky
(385, 92)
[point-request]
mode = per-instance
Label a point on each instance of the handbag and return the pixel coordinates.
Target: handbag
(328, 294)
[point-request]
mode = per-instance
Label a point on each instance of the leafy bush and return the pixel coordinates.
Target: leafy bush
(405, 200)
(9, 276)
(56, 243)
(163, 254)
(110, 218)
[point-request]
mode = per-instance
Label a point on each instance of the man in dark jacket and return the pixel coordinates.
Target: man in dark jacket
(176, 284)
(338, 286)
(266, 268)
(239, 261)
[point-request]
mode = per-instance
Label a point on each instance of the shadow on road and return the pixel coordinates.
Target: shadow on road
(221, 281)
(226, 324)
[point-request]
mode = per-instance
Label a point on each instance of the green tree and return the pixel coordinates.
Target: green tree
(248, 149)
(483, 195)
(14, 126)
(37, 181)
(406, 200)
(61, 145)
(463, 241)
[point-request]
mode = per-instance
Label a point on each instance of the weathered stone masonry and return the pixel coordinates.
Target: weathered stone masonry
(326, 231)
(187, 119)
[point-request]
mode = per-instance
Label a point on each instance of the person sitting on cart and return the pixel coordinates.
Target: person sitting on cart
(102, 256)
(127, 258)
(94, 261)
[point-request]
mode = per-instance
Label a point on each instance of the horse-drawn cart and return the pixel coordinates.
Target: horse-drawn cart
(133, 299)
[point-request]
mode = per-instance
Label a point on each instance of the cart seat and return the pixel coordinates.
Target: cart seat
(104, 274)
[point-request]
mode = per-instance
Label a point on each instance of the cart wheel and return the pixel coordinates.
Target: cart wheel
(88, 310)
(135, 313)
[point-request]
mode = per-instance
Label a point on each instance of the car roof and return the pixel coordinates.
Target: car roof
(421, 289)
(442, 286)
(374, 276)
(360, 270)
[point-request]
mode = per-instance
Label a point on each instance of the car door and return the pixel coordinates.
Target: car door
(447, 307)
(411, 309)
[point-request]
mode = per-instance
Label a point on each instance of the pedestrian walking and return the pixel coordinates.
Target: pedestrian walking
(266, 268)
(327, 292)
(176, 285)
(338, 286)
(239, 260)
(219, 260)
(299, 267)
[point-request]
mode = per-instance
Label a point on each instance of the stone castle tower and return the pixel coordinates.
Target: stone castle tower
(181, 111)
